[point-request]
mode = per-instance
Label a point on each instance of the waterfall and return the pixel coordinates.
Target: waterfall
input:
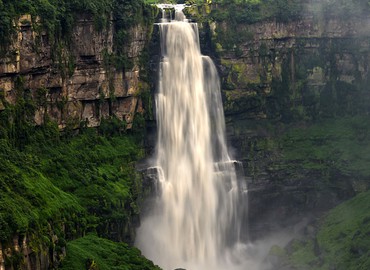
(195, 221)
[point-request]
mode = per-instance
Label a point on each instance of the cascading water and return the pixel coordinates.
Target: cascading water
(195, 223)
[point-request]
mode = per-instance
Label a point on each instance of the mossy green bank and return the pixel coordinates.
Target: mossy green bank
(341, 242)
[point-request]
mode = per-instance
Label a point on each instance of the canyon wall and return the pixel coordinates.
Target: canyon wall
(75, 82)
(296, 97)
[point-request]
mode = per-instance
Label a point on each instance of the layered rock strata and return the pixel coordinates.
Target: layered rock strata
(73, 84)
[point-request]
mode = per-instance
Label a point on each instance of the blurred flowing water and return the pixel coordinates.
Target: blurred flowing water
(201, 201)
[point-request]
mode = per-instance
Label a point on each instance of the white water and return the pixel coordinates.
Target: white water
(195, 223)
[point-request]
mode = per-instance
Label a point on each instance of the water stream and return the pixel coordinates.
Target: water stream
(196, 218)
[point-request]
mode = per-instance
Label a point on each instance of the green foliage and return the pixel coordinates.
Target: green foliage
(99, 172)
(29, 199)
(54, 178)
(151, 1)
(112, 126)
(16, 120)
(58, 17)
(251, 11)
(126, 14)
(287, 10)
(92, 252)
(294, 97)
(303, 253)
(342, 240)
(342, 144)
(239, 13)
(233, 17)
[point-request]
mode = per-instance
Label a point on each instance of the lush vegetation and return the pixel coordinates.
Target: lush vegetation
(250, 11)
(325, 155)
(234, 16)
(29, 199)
(68, 185)
(341, 144)
(50, 175)
(256, 10)
(341, 242)
(57, 186)
(58, 17)
(91, 252)
(65, 184)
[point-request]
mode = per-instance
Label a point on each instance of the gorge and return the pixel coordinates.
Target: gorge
(295, 90)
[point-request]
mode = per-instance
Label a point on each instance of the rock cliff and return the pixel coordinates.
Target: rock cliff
(74, 83)
(301, 84)
(296, 96)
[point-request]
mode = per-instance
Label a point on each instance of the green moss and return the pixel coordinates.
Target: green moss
(303, 254)
(339, 143)
(238, 101)
(56, 17)
(342, 239)
(345, 231)
(92, 252)
(240, 75)
(277, 251)
(48, 177)
(29, 199)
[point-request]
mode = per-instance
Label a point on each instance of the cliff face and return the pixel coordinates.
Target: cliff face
(306, 57)
(74, 83)
(296, 98)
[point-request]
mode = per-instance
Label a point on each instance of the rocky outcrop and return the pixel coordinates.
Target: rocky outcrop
(32, 252)
(74, 83)
(284, 76)
(305, 57)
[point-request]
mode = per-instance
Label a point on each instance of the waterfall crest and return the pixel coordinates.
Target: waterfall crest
(196, 218)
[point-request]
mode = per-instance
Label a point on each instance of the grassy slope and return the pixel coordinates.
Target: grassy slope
(99, 171)
(343, 240)
(90, 173)
(90, 251)
(28, 198)
(342, 145)
(83, 183)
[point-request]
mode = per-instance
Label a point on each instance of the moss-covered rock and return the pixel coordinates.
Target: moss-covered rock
(341, 241)
(92, 252)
